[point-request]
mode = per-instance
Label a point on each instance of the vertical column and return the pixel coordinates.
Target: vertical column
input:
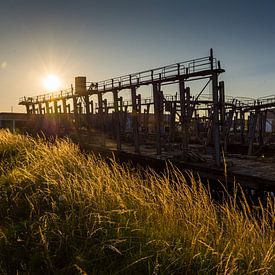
(139, 107)
(117, 122)
(40, 109)
(75, 105)
(264, 123)
(172, 121)
(28, 109)
(120, 100)
(124, 113)
(188, 114)
(64, 106)
(100, 106)
(135, 119)
(79, 107)
(47, 107)
(105, 118)
(242, 118)
(92, 107)
(157, 115)
(224, 128)
(252, 130)
(13, 125)
(87, 104)
(146, 119)
(222, 102)
(87, 110)
(184, 99)
(209, 125)
(216, 131)
(55, 107)
(260, 128)
(33, 108)
(105, 106)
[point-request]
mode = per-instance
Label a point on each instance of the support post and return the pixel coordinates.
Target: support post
(146, 119)
(216, 131)
(172, 121)
(222, 103)
(55, 107)
(184, 112)
(33, 108)
(75, 106)
(157, 115)
(64, 106)
(120, 100)
(124, 114)
(260, 127)
(47, 107)
(226, 129)
(252, 130)
(40, 108)
(242, 118)
(117, 121)
(101, 117)
(139, 107)
(28, 109)
(135, 119)
(87, 110)
(92, 106)
(100, 104)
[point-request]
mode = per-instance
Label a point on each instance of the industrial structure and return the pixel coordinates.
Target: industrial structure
(187, 117)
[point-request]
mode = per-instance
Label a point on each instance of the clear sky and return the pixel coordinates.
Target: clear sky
(108, 38)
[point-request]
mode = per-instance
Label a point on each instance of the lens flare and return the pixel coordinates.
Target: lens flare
(51, 82)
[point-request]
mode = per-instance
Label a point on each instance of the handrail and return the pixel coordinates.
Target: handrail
(166, 73)
(161, 73)
(47, 97)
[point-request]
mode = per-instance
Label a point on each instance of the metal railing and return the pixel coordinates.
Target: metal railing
(157, 74)
(162, 74)
(251, 102)
(47, 97)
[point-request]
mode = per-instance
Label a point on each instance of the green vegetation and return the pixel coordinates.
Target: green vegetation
(63, 212)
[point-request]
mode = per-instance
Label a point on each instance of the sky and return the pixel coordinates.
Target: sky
(108, 38)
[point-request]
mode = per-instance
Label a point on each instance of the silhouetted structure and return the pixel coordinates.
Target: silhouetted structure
(181, 123)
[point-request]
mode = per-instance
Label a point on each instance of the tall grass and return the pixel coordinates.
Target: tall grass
(63, 212)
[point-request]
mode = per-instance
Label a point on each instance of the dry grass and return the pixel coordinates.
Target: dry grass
(63, 212)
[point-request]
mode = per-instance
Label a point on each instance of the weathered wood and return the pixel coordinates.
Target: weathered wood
(216, 131)
(252, 130)
(135, 119)
(117, 120)
(157, 115)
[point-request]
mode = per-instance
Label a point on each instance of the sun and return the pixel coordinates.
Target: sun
(51, 82)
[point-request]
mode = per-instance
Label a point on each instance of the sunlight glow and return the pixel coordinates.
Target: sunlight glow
(51, 82)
